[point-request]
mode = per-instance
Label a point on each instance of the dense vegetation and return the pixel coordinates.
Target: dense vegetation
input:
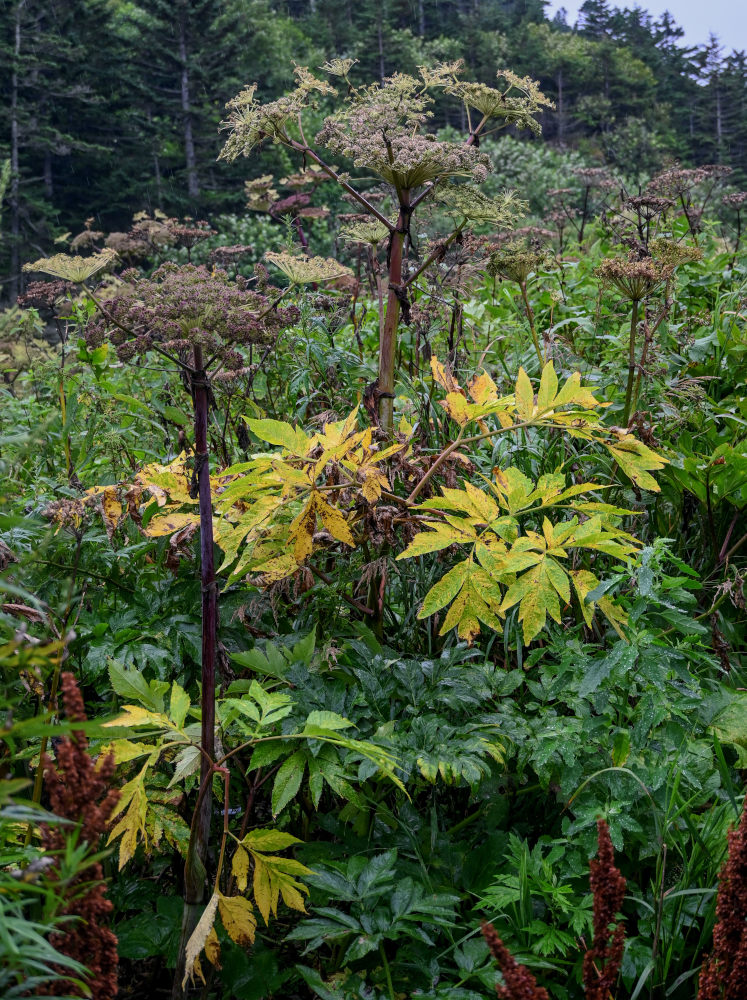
(372, 556)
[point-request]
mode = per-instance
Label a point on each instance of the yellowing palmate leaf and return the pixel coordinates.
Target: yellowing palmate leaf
(236, 914)
(133, 800)
(240, 868)
(197, 941)
(483, 389)
(111, 508)
(274, 876)
(537, 592)
(636, 460)
(584, 582)
(504, 567)
(301, 531)
(443, 376)
(167, 524)
(212, 948)
(548, 387)
(334, 522)
(524, 395)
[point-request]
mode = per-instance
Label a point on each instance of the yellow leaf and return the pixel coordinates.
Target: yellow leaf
(443, 376)
(483, 389)
(524, 396)
(292, 897)
(197, 941)
(238, 918)
(371, 488)
(334, 522)
(167, 524)
(584, 582)
(301, 531)
(240, 868)
(135, 715)
(134, 801)
(277, 568)
(212, 948)
(262, 887)
(111, 508)
(457, 407)
(548, 387)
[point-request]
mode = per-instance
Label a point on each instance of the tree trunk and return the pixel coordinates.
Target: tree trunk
(561, 116)
(195, 866)
(380, 39)
(48, 183)
(193, 185)
(14, 194)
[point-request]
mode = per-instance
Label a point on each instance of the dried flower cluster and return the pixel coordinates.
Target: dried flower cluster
(75, 269)
(724, 974)
(519, 983)
(602, 961)
(678, 181)
(180, 307)
(672, 253)
(735, 200)
(466, 203)
(81, 791)
(381, 129)
(305, 270)
(516, 262)
(634, 279)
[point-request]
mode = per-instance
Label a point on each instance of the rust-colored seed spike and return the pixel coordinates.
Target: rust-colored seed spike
(724, 972)
(81, 791)
(602, 961)
(519, 983)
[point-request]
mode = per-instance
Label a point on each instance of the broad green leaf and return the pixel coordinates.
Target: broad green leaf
(326, 720)
(279, 433)
(269, 840)
(179, 705)
(131, 685)
(288, 781)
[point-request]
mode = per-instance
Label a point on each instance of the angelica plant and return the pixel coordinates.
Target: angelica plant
(198, 321)
(383, 129)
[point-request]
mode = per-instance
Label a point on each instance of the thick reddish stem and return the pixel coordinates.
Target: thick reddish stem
(388, 341)
(195, 866)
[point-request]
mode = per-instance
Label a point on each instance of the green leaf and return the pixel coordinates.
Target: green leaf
(326, 720)
(269, 840)
(279, 433)
(131, 685)
(179, 705)
(288, 781)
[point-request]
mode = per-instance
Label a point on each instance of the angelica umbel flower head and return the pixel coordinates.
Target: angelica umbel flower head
(179, 307)
(383, 128)
(634, 279)
(516, 262)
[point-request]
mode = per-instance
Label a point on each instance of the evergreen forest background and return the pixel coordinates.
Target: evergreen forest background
(117, 104)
